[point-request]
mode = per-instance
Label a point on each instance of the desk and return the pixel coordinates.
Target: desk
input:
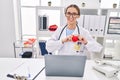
(91, 74)
(8, 65)
(43, 77)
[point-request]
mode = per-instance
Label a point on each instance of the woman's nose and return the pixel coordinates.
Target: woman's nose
(71, 16)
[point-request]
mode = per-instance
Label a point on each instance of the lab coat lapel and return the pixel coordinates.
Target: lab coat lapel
(63, 33)
(76, 31)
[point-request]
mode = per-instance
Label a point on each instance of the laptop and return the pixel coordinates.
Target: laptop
(65, 65)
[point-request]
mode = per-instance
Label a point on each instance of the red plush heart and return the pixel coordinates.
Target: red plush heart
(53, 27)
(74, 38)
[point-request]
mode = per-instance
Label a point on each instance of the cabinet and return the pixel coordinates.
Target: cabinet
(114, 25)
(110, 38)
(21, 46)
(112, 34)
(51, 15)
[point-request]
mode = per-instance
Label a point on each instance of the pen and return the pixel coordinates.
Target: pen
(28, 72)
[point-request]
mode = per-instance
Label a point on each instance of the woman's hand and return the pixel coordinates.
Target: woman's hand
(67, 39)
(82, 39)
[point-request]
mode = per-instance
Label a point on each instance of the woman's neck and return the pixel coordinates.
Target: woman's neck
(71, 26)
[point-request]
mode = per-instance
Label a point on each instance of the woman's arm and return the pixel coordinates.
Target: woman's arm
(92, 45)
(53, 43)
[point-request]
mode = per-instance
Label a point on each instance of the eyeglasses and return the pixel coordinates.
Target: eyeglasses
(68, 14)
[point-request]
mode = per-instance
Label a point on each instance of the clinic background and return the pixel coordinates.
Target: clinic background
(23, 19)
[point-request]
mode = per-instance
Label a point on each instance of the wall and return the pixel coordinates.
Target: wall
(7, 31)
(89, 3)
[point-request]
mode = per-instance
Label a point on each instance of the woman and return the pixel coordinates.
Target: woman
(72, 39)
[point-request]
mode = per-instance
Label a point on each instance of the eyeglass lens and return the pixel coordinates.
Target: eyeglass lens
(71, 14)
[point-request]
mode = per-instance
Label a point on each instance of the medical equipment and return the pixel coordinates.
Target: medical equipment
(65, 27)
(107, 68)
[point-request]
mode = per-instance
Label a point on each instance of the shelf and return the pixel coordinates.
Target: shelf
(49, 7)
(23, 46)
(112, 36)
(45, 33)
(20, 44)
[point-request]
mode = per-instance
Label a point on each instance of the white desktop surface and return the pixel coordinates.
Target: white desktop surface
(8, 65)
(91, 74)
(43, 77)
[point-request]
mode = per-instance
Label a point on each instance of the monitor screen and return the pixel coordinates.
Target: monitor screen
(114, 25)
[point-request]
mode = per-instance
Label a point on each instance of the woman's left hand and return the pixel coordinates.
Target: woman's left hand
(82, 39)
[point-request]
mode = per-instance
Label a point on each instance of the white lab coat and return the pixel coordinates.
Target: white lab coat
(67, 48)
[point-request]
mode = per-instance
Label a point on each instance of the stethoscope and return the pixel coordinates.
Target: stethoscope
(64, 28)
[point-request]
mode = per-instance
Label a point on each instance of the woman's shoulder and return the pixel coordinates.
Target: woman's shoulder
(60, 28)
(83, 30)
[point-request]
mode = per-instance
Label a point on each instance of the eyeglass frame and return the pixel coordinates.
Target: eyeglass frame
(68, 14)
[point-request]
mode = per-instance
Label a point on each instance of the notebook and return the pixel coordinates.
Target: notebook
(65, 65)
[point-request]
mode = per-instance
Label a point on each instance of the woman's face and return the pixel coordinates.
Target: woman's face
(71, 15)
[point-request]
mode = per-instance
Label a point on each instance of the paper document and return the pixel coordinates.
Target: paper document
(28, 69)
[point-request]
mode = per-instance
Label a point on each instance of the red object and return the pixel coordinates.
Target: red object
(32, 40)
(29, 41)
(26, 42)
(75, 38)
(53, 27)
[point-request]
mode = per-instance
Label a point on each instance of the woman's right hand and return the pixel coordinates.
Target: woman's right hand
(67, 39)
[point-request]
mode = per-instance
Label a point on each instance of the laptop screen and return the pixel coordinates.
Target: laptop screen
(65, 65)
